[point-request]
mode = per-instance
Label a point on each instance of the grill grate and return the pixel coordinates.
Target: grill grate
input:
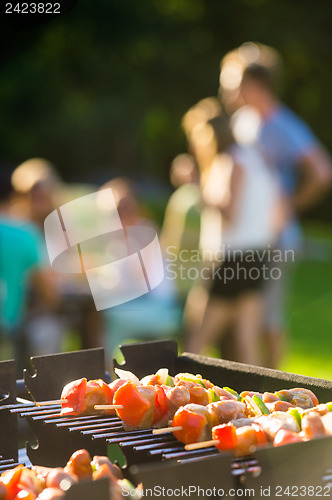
(98, 432)
(138, 446)
(7, 463)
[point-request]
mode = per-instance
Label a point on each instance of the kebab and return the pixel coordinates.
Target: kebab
(192, 423)
(243, 436)
(154, 400)
(151, 403)
(145, 406)
(43, 483)
(158, 396)
(81, 396)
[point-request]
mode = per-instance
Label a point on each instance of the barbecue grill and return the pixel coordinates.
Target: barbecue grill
(160, 459)
(9, 430)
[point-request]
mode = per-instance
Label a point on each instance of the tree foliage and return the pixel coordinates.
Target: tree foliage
(105, 85)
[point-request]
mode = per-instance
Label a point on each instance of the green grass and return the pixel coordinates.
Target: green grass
(309, 310)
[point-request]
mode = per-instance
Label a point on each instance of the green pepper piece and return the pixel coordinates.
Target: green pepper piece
(329, 405)
(231, 391)
(214, 396)
(261, 405)
(281, 396)
(169, 381)
(188, 377)
(296, 414)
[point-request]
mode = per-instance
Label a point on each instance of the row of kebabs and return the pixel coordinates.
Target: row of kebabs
(44, 483)
(197, 411)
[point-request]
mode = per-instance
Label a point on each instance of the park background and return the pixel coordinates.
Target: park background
(100, 91)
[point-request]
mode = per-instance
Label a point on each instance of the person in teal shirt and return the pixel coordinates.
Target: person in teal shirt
(21, 260)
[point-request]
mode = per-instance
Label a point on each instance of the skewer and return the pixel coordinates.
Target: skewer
(108, 407)
(166, 430)
(51, 402)
(203, 444)
(41, 403)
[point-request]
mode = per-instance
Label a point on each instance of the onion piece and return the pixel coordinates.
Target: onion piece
(252, 406)
(126, 375)
(162, 374)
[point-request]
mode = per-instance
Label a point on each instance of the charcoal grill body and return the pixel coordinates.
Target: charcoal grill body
(185, 478)
(89, 490)
(161, 460)
(296, 465)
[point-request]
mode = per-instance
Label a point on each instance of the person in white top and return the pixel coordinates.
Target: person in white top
(253, 224)
(244, 200)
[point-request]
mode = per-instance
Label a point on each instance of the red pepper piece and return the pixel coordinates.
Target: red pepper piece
(11, 479)
(192, 425)
(74, 394)
(225, 434)
(161, 407)
(135, 405)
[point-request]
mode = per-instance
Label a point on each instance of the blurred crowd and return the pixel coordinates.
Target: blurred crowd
(229, 236)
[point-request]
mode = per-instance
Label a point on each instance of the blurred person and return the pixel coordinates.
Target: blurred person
(199, 144)
(287, 142)
(37, 190)
(181, 227)
(36, 187)
(153, 315)
(244, 207)
(21, 263)
(302, 164)
(233, 65)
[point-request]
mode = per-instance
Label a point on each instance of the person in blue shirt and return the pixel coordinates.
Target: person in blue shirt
(21, 262)
(287, 142)
(305, 172)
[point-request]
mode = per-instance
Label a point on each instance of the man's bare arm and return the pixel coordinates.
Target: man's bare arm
(316, 167)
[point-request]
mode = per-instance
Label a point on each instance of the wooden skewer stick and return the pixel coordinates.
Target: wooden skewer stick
(203, 444)
(41, 403)
(50, 403)
(108, 407)
(165, 430)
